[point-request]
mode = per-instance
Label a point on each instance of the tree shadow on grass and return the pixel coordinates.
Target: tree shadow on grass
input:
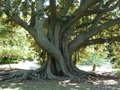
(62, 85)
(50, 85)
(32, 85)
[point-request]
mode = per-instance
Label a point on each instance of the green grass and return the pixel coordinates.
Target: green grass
(117, 71)
(48, 85)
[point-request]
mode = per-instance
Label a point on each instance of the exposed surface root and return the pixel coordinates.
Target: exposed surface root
(91, 75)
(18, 76)
(21, 75)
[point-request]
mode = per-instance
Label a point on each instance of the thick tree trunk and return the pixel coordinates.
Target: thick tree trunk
(53, 67)
(59, 64)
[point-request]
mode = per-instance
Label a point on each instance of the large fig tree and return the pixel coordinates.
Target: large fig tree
(61, 27)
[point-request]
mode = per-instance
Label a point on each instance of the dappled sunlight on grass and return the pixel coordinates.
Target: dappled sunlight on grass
(107, 82)
(11, 86)
(55, 85)
(33, 85)
(98, 85)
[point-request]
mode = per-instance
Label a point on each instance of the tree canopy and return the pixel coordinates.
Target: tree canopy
(61, 27)
(79, 16)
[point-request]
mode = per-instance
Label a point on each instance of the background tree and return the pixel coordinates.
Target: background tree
(61, 27)
(14, 45)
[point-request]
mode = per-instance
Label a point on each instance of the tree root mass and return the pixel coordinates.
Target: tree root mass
(21, 75)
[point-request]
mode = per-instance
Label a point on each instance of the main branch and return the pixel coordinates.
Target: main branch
(80, 39)
(80, 11)
(53, 12)
(67, 6)
(107, 9)
(14, 16)
(101, 41)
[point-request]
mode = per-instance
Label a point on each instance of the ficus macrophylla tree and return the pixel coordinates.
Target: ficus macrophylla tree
(61, 27)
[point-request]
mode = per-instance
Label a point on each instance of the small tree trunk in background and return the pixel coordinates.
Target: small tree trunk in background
(94, 67)
(9, 66)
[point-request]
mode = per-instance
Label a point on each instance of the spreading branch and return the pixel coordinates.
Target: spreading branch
(67, 6)
(20, 22)
(97, 10)
(83, 7)
(101, 41)
(53, 11)
(94, 23)
(13, 16)
(80, 11)
(80, 39)
(89, 12)
(32, 20)
(96, 20)
(83, 25)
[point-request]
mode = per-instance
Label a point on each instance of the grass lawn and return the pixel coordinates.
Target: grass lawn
(118, 71)
(50, 85)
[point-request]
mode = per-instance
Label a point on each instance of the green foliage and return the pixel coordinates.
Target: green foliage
(3, 61)
(15, 52)
(40, 54)
(14, 45)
